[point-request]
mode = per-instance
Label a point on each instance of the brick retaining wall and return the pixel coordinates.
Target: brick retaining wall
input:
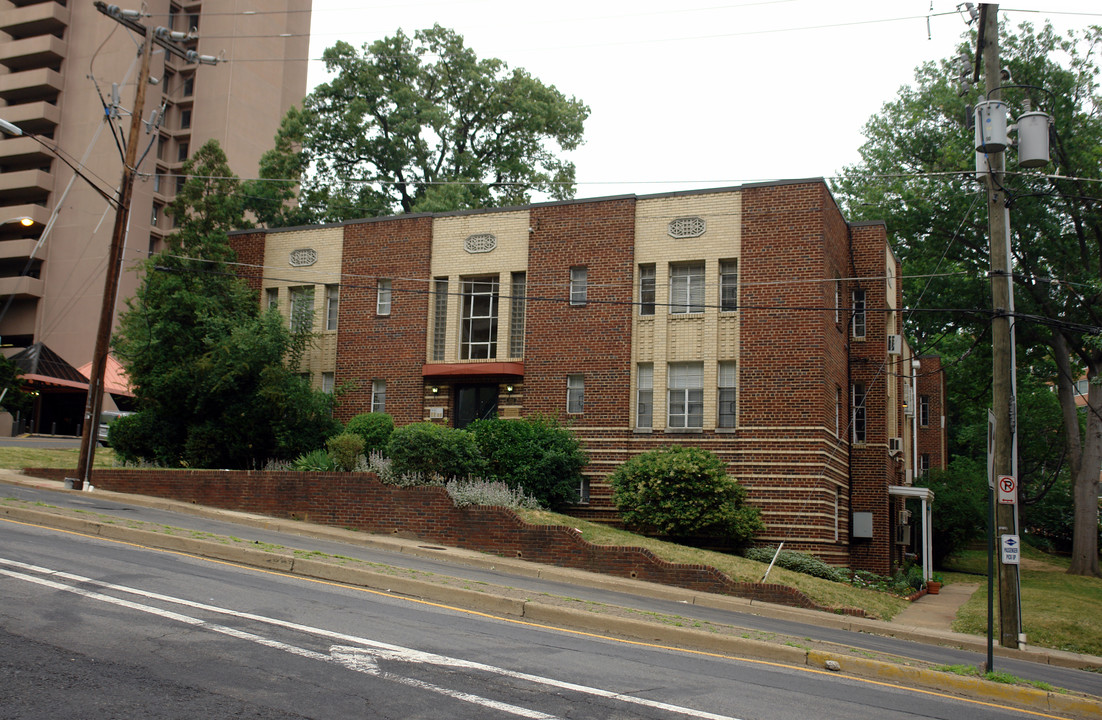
(358, 501)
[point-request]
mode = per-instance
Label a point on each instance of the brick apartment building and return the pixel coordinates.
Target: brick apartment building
(753, 321)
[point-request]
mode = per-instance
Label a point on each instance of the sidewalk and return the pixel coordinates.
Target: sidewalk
(927, 621)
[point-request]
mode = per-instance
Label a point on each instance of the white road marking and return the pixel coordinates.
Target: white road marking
(351, 657)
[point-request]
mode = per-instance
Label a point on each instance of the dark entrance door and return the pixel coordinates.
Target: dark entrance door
(474, 402)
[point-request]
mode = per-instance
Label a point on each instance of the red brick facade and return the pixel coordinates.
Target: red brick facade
(799, 262)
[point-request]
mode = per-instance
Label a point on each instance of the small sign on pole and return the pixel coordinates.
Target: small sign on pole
(1011, 549)
(1008, 490)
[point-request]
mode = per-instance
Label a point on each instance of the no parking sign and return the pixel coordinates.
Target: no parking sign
(1008, 490)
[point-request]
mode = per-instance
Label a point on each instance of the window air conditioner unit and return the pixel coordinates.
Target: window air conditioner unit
(903, 535)
(895, 445)
(895, 344)
(904, 517)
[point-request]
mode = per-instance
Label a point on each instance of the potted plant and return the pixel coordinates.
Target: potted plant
(933, 585)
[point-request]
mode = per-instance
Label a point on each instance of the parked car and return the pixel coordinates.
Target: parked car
(105, 419)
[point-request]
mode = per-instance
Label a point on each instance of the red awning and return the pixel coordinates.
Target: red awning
(474, 369)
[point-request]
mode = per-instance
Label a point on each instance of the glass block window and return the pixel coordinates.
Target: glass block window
(687, 288)
(646, 289)
(644, 396)
(516, 315)
(478, 330)
(575, 394)
(440, 318)
(685, 383)
(727, 405)
(728, 285)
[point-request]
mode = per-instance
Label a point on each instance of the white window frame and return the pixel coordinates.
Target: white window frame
(301, 310)
(328, 382)
(685, 396)
(644, 395)
(648, 288)
(272, 297)
(860, 326)
(727, 395)
(579, 285)
(687, 288)
(482, 325)
(575, 394)
(924, 410)
(378, 395)
(728, 285)
(858, 413)
(383, 296)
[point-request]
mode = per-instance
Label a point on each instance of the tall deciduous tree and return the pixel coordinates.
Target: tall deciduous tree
(422, 124)
(215, 380)
(917, 174)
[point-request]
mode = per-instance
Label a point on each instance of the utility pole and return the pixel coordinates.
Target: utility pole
(165, 38)
(998, 218)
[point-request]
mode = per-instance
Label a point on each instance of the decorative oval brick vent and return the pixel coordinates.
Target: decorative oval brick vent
(687, 227)
(482, 243)
(303, 257)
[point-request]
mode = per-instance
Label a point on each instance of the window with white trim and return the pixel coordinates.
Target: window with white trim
(859, 314)
(378, 395)
(271, 296)
(687, 288)
(327, 382)
(728, 285)
(302, 308)
(382, 297)
(478, 324)
(924, 410)
(685, 395)
(332, 305)
(575, 394)
(728, 408)
(646, 289)
(923, 464)
(644, 396)
(858, 414)
(837, 301)
(579, 285)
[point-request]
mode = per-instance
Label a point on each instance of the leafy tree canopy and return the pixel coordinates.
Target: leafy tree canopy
(917, 173)
(215, 380)
(416, 124)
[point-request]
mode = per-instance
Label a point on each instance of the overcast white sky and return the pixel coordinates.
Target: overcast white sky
(699, 93)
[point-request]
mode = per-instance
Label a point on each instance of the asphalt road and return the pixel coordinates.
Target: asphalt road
(97, 629)
(450, 565)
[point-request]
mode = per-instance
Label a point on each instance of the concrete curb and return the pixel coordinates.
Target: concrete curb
(446, 590)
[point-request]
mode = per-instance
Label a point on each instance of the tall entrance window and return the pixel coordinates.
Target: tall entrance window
(478, 332)
(475, 402)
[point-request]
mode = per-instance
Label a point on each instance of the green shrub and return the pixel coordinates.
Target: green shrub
(141, 437)
(682, 492)
(434, 451)
(536, 456)
(485, 492)
(315, 461)
(960, 513)
(345, 449)
(798, 562)
(375, 429)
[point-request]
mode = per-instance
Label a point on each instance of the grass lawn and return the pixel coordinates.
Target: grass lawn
(17, 458)
(1059, 611)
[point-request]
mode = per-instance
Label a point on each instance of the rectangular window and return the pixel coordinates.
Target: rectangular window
(646, 289)
(686, 395)
(180, 180)
(440, 318)
(575, 394)
(838, 412)
(162, 142)
(728, 285)
(327, 382)
(271, 296)
(837, 301)
(157, 182)
(859, 313)
(578, 285)
(727, 404)
(378, 395)
(924, 410)
(181, 151)
(382, 297)
(687, 288)
(189, 86)
(857, 412)
(516, 315)
(478, 331)
(332, 306)
(156, 215)
(644, 399)
(923, 464)
(185, 118)
(302, 309)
